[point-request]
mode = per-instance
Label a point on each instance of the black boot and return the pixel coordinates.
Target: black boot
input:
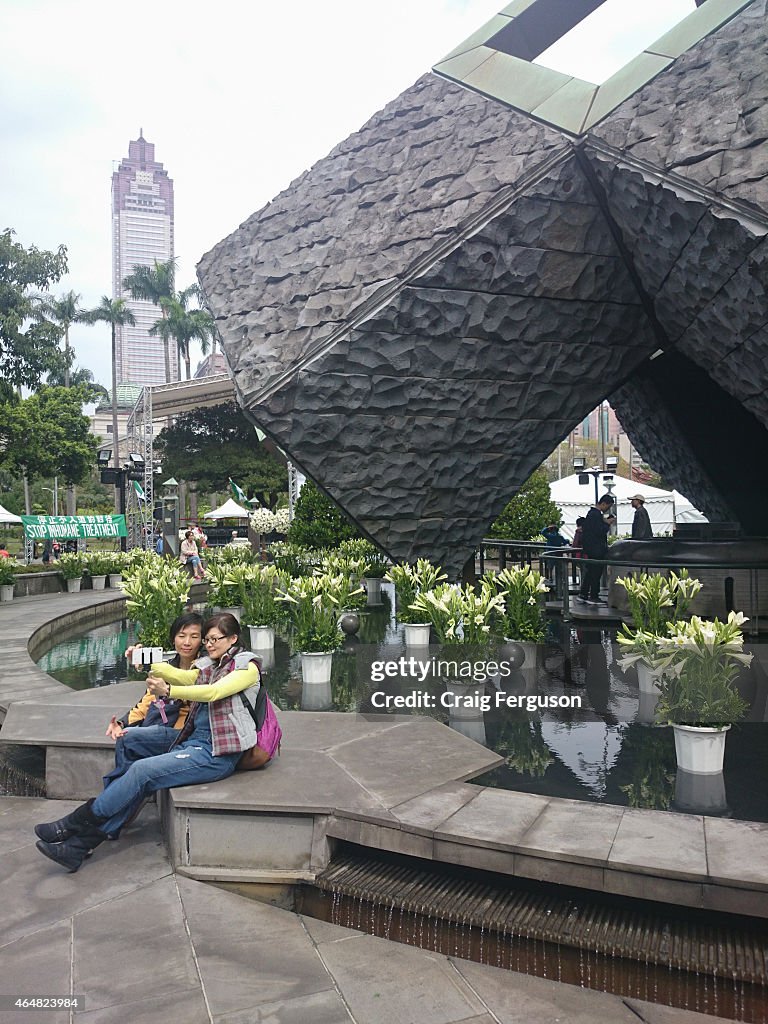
(68, 826)
(72, 852)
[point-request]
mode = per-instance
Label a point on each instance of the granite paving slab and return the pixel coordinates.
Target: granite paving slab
(38, 964)
(382, 981)
(188, 1007)
(660, 843)
(327, 730)
(301, 781)
(425, 813)
(59, 725)
(737, 852)
(413, 758)
(560, 832)
(495, 819)
(101, 940)
(249, 954)
(37, 893)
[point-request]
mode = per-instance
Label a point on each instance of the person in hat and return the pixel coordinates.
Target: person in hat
(641, 524)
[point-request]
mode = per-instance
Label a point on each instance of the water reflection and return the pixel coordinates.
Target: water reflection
(607, 751)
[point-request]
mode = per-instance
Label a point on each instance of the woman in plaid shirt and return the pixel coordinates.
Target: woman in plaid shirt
(218, 730)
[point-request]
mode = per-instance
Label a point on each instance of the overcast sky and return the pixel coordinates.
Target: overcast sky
(239, 97)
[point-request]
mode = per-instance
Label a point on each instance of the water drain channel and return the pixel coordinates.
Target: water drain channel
(629, 950)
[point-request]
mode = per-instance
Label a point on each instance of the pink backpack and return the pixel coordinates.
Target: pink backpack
(268, 734)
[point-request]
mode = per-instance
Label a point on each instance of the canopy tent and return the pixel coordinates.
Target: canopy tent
(229, 510)
(685, 512)
(574, 500)
(7, 517)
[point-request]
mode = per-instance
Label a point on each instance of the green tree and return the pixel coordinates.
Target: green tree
(208, 446)
(79, 377)
(317, 521)
(184, 325)
(29, 346)
(114, 312)
(63, 311)
(528, 512)
(153, 284)
(49, 435)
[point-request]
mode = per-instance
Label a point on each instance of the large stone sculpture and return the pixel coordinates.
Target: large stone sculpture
(420, 318)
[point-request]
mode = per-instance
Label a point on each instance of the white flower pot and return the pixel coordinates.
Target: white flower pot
(530, 653)
(373, 586)
(700, 749)
(700, 794)
(648, 678)
(316, 696)
(316, 668)
(73, 586)
(6, 592)
(262, 637)
(236, 610)
(115, 579)
(98, 582)
(266, 657)
(646, 708)
(465, 710)
(417, 634)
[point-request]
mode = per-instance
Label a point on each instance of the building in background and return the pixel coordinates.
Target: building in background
(214, 363)
(142, 232)
(101, 420)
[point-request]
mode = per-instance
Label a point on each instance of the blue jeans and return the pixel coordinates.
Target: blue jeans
(137, 742)
(189, 764)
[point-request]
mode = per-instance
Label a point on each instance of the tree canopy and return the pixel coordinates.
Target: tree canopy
(210, 446)
(317, 521)
(29, 346)
(528, 512)
(48, 435)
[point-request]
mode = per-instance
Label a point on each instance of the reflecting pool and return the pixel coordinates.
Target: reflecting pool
(606, 751)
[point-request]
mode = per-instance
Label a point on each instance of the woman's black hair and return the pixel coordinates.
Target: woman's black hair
(225, 622)
(184, 620)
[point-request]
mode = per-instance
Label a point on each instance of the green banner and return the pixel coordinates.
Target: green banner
(70, 527)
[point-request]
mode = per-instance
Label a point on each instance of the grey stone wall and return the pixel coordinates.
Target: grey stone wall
(422, 316)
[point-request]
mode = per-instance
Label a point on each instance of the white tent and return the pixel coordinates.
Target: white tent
(574, 500)
(685, 512)
(229, 510)
(7, 517)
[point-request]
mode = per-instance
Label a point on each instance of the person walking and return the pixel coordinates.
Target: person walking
(641, 524)
(594, 540)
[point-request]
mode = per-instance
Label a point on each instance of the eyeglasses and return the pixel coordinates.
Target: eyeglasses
(209, 640)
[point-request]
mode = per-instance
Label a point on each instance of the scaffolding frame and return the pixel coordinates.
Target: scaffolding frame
(139, 512)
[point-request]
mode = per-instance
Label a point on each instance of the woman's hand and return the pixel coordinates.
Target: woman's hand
(129, 651)
(158, 687)
(114, 729)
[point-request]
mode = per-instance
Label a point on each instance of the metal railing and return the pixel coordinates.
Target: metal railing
(557, 559)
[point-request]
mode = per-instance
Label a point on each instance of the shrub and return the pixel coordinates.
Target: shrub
(317, 521)
(528, 512)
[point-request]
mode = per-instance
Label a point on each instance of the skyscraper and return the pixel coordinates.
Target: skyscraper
(142, 232)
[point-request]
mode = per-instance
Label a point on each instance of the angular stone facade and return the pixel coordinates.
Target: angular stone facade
(422, 316)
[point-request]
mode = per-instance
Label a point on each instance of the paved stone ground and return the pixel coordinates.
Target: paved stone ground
(144, 945)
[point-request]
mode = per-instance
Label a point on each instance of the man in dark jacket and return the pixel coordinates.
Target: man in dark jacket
(594, 542)
(641, 524)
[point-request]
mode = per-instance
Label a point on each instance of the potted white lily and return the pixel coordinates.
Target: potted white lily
(654, 601)
(71, 565)
(409, 581)
(156, 593)
(522, 618)
(701, 660)
(7, 579)
(312, 609)
(255, 589)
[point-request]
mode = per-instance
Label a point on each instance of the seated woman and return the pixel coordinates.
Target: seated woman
(189, 555)
(218, 729)
(150, 713)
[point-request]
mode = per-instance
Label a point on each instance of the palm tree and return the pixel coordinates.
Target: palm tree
(80, 375)
(154, 284)
(63, 311)
(114, 312)
(185, 325)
